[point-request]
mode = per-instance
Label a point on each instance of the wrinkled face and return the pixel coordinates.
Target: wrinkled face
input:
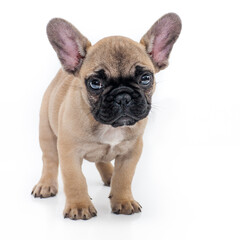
(119, 80)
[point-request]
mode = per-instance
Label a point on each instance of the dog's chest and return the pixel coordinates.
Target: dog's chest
(107, 145)
(110, 135)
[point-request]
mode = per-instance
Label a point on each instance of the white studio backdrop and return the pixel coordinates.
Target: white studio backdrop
(188, 177)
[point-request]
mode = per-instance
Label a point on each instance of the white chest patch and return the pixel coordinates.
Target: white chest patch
(110, 135)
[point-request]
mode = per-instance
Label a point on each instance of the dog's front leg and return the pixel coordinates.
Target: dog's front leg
(122, 201)
(78, 203)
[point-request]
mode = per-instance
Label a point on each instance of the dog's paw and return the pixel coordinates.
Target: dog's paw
(45, 190)
(77, 211)
(125, 206)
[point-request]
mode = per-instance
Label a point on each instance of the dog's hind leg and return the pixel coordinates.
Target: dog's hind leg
(105, 170)
(48, 184)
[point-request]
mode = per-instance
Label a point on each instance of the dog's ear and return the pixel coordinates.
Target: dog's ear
(160, 38)
(70, 45)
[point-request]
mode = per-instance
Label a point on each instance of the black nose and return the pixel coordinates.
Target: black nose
(123, 99)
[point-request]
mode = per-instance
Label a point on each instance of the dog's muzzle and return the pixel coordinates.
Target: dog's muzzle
(123, 106)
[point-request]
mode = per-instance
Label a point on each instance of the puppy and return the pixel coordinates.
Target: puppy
(96, 109)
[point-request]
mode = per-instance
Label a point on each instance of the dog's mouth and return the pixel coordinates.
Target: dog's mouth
(124, 121)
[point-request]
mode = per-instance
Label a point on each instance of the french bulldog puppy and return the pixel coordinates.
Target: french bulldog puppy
(96, 109)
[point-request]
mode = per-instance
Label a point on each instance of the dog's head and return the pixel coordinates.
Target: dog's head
(117, 73)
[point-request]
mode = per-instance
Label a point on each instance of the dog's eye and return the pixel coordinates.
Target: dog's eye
(145, 79)
(95, 84)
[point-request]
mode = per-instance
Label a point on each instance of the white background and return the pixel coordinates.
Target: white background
(187, 180)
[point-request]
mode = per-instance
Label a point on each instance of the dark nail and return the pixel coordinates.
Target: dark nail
(107, 184)
(117, 212)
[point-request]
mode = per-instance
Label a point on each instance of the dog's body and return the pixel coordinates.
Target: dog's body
(96, 109)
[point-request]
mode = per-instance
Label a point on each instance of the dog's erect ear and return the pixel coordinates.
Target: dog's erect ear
(70, 45)
(160, 38)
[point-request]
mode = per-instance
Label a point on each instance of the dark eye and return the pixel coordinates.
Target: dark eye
(146, 79)
(95, 84)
